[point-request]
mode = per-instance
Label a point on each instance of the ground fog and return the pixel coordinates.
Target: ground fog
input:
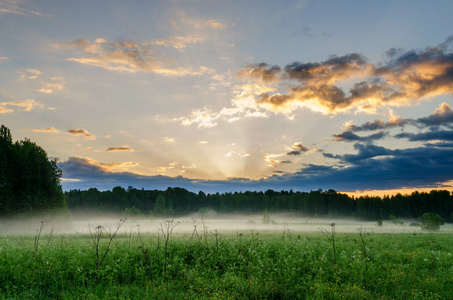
(226, 223)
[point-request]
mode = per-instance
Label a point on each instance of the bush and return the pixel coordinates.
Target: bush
(379, 223)
(396, 220)
(431, 221)
(133, 213)
(266, 217)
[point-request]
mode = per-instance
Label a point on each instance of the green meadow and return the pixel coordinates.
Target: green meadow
(128, 263)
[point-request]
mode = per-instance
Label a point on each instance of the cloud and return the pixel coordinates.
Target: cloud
(82, 132)
(295, 149)
(371, 168)
(170, 166)
(56, 84)
(376, 167)
(442, 115)
(442, 135)
(50, 129)
(348, 136)
(406, 77)
(169, 139)
(12, 6)
(29, 74)
(3, 58)
(237, 154)
(126, 56)
(26, 105)
(178, 42)
(123, 148)
(366, 151)
(243, 106)
(78, 167)
(200, 24)
(262, 72)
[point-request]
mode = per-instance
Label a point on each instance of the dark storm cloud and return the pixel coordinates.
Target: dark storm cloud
(379, 168)
(349, 136)
(380, 124)
(363, 152)
(372, 167)
(440, 144)
(331, 69)
(443, 135)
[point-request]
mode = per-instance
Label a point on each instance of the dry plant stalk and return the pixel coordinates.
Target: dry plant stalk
(166, 228)
(96, 237)
(331, 238)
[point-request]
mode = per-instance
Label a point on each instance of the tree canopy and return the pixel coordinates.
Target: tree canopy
(29, 180)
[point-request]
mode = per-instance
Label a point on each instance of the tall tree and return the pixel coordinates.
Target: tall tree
(29, 180)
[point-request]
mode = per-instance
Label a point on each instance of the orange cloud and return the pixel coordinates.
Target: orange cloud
(123, 148)
(411, 76)
(26, 105)
(50, 129)
(86, 164)
(82, 132)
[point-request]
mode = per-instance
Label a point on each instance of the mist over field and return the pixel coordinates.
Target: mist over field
(288, 223)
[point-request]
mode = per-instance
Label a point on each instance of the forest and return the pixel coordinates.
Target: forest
(179, 201)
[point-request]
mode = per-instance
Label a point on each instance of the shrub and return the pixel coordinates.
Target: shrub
(396, 220)
(379, 223)
(266, 217)
(431, 221)
(133, 213)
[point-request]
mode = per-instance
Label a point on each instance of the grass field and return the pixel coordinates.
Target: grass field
(202, 262)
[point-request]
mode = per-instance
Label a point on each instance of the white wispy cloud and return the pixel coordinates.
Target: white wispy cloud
(243, 106)
(13, 7)
(296, 149)
(129, 56)
(178, 42)
(55, 84)
(25, 105)
(28, 74)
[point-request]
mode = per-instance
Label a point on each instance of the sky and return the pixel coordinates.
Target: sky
(225, 96)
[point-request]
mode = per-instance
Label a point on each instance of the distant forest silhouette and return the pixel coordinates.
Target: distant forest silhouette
(179, 201)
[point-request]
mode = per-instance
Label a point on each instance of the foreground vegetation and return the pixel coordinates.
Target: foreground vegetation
(126, 263)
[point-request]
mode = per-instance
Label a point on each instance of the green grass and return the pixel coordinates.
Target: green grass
(243, 265)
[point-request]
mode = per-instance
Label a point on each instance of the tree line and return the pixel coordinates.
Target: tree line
(179, 201)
